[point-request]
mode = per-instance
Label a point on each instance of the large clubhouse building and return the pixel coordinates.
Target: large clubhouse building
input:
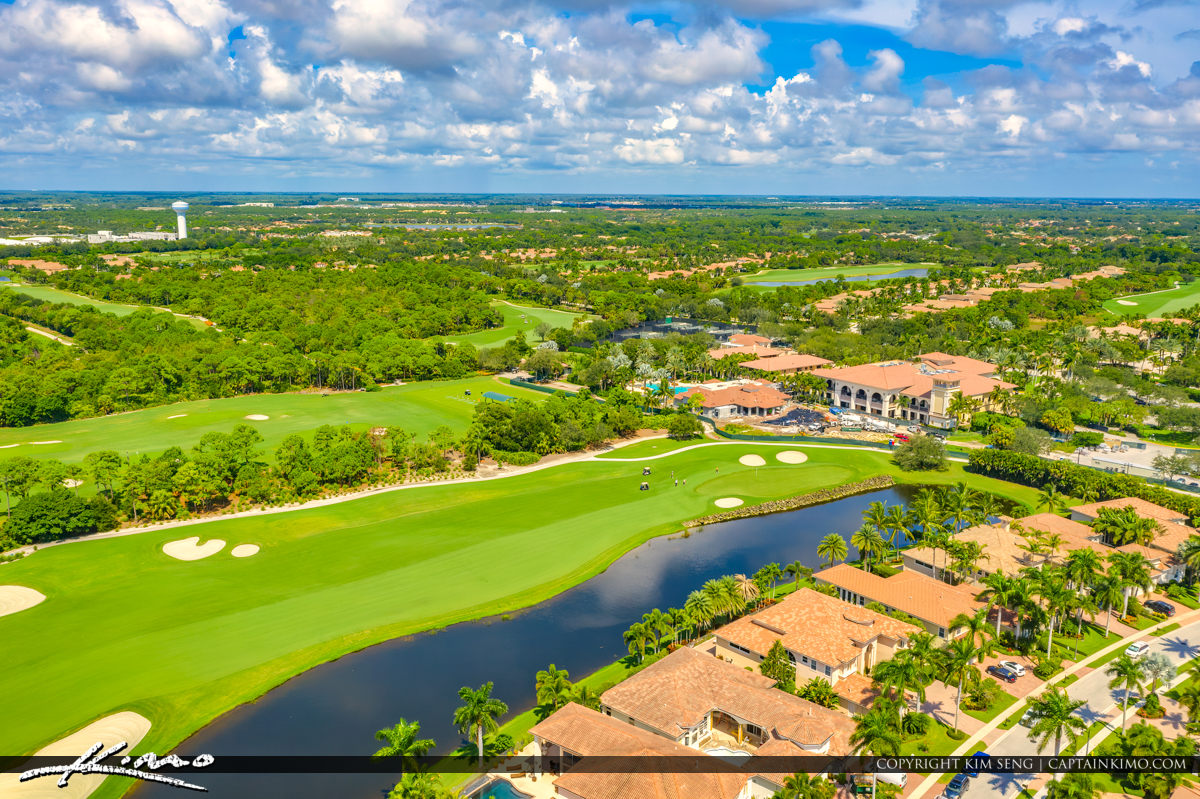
(919, 391)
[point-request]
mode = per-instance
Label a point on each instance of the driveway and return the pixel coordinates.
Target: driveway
(1180, 646)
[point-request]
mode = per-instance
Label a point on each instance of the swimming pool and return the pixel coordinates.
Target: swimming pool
(500, 789)
(734, 756)
(674, 389)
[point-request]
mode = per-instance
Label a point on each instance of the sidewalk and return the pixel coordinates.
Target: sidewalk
(972, 743)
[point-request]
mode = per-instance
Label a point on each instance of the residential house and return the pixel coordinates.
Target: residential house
(824, 637)
(722, 400)
(934, 603)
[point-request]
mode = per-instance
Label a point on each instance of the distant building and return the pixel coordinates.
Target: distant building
(919, 392)
(787, 364)
(722, 400)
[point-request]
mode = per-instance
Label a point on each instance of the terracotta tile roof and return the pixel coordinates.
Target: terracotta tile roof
(587, 733)
(916, 379)
(1053, 523)
(781, 363)
(811, 623)
(755, 350)
(676, 693)
(1002, 549)
(917, 595)
(756, 394)
(748, 340)
(857, 688)
(1140, 506)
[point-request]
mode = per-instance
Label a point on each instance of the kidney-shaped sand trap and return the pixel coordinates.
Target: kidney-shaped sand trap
(257, 417)
(728, 502)
(14, 598)
(791, 456)
(111, 730)
(244, 550)
(192, 549)
(752, 460)
(1126, 302)
(177, 416)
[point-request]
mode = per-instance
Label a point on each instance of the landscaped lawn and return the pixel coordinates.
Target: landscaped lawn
(1156, 303)
(51, 294)
(214, 633)
(830, 272)
(516, 317)
(416, 407)
(936, 741)
(1093, 640)
(1002, 702)
(650, 448)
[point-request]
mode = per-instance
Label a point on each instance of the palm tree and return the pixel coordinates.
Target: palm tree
(958, 504)
(876, 516)
(957, 659)
(699, 606)
(798, 570)
(876, 733)
(402, 742)
(804, 786)
(897, 521)
(583, 695)
(977, 630)
(1189, 555)
(902, 673)
(1050, 499)
(553, 687)
(1108, 591)
(1072, 786)
(1133, 571)
(657, 625)
(636, 638)
(478, 713)
(1055, 595)
(1000, 590)
(1054, 716)
(1126, 674)
(1081, 567)
(1188, 696)
(1158, 668)
(867, 541)
(747, 589)
(1120, 527)
(832, 547)
(771, 573)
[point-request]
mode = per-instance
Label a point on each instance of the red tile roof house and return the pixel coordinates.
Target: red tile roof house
(787, 364)
(751, 398)
(575, 732)
(824, 637)
(1173, 530)
(918, 391)
(934, 603)
(705, 702)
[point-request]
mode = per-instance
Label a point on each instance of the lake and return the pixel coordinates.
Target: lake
(335, 708)
(915, 272)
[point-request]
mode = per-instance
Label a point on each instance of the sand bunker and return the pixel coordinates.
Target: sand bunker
(244, 550)
(71, 482)
(257, 417)
(728, 502)
(791, 456)
(36, 443)
(177, 416)
(1126, 302)
(752, 460)
(192, 549)
(15, 598)
(9, 446)
(125, 726)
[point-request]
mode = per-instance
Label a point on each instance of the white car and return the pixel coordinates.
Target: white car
(1013, 666)
(1137, 649)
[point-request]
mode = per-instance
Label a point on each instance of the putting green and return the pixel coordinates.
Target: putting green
(416, 407)
(517, 317)
(126, 627)
(1156, 303)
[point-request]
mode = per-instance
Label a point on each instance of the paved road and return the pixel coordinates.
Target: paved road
(1180, 646)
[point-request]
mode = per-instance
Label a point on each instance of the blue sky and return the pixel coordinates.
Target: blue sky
(922, 97)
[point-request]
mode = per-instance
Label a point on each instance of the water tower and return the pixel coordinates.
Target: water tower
(180, 209)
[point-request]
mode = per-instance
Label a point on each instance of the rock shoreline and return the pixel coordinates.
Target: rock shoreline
(794, 503)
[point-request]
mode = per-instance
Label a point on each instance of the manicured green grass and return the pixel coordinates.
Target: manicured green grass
(1002, 702)
(198, 638)
(1157, 303)
(1012, 720)
(416, 407)
(1093, 641)
(937, 741)
(1103, 661)
(1170, 628)
(830, 272)
(517, 317)
(654, 446)
(50, 294)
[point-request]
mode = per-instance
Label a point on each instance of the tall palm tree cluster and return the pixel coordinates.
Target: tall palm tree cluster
(719, 600)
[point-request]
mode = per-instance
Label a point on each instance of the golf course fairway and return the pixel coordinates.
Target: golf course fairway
(126, 627)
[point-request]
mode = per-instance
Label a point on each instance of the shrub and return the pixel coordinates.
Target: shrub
(1081, 439)
(921, 453)
(516, 458)
(915, 724)
(682, 426)
(980, 695)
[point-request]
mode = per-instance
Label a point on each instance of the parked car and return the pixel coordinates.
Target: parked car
(1137, 649)
(957, 786)
(902, 436)
(1158, 606)
(1008, 675)
(1014, 667)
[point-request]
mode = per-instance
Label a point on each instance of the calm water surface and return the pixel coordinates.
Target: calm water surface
(335, 709)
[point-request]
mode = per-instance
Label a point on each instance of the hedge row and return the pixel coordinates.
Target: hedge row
(1076, 480)
(802, 501)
